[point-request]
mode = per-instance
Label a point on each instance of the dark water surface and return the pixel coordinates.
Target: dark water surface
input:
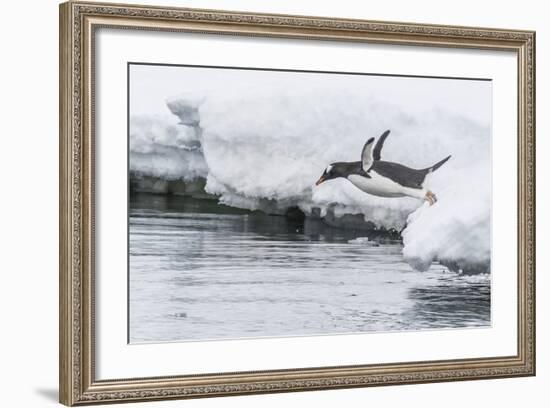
(200, 270)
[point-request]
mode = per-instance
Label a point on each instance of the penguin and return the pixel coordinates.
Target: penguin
(383, 178)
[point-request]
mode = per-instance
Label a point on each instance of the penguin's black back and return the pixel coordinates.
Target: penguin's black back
(403, 175)
(396, 172)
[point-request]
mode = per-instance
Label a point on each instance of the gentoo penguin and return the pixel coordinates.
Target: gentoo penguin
(383, 178)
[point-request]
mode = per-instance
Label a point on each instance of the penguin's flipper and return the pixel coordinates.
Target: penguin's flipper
(379, 144)
(366, 155)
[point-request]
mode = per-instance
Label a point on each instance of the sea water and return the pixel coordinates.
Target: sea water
(199, 270)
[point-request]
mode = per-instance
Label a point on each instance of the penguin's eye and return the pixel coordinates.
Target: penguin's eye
(328, 169)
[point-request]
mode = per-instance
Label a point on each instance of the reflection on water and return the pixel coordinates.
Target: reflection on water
(199, 270)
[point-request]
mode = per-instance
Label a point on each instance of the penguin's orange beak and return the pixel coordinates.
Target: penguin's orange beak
(321, 179)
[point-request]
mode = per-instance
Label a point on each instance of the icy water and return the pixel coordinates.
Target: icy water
(199, 270)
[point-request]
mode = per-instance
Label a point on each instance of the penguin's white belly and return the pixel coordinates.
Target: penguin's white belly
(383, 186)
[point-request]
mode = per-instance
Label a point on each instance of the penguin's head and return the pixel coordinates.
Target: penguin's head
(331, 172)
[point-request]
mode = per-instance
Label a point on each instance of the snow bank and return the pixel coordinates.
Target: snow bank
(457, 229)
(265, 150)
(162, 148)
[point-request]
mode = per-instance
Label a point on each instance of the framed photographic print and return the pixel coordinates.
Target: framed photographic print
(256, 203)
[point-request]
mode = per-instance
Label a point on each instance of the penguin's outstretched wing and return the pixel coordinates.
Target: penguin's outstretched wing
(366, 155)
(379, 144)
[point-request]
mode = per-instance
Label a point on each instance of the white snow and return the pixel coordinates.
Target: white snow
(458, 226)
(162, 148)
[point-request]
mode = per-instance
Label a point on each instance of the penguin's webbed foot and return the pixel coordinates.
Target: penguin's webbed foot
(430, 197)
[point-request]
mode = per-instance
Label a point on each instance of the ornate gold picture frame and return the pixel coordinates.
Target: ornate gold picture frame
(79, 22)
